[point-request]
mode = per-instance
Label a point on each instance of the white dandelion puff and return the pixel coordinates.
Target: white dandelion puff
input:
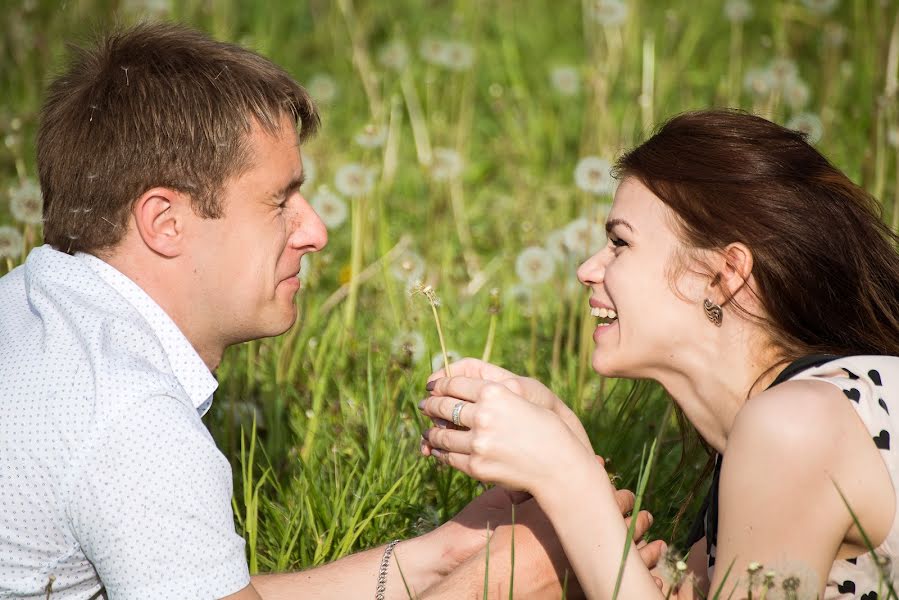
(434, 51)
(408, 267)
(783, 71)
(354, 180)
(738, 11)
(322, 88)
(893, 136)
(822, 7)
(437, 362)
(26, 202)
(409, 347)
(610, 13)
(11, 242)
(371, 136)
(330, 207)
(584, 238)
(446, 164)
(593, 174)
(535, 265)
(809, 124)
(521, 296)
(835, 35)
(555, 244)
(157, 8)
(459, 56)
(394, 55)
(759, 82)
(310, 170)
(796, 93)
(565, 80)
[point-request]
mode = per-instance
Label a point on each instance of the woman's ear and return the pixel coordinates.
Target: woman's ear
(734, 267)
(160, 215)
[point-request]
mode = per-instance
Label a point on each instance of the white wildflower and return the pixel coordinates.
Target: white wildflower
(446, 164)
(11, 242)
(593, 174)
(371, 136)
(330, 207)
(459, 56)
(434, 51)
(555, 244)
(437, 361)
(409, 347)
(809, 124)
(821, 6)
(893, 136)
(322, 88)
(535, 265)
(783, 70)
(609, 13)
(738, 11)
(584, 238)
(760, 82)
(394, 55)
(408, 267)
(26, 202)
(354, 180)
(310, 170)
(565, 80)
(796, 93)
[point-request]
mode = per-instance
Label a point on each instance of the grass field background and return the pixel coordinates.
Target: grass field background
(452, 134)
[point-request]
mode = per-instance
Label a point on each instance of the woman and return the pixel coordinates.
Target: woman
(759, 286)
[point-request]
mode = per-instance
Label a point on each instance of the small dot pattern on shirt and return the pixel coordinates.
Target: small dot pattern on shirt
(108, 478)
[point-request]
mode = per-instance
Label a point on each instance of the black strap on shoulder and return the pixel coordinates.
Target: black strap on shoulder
(706, 523)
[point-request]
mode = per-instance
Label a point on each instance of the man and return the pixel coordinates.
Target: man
(171, 170)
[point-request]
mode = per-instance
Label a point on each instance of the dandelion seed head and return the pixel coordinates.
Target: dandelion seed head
(738, 11)
(434, 51)
(565, 80)
(593, 174)
(759, 82)
(446, 164)
(322, 88)
(809, 124)
(459, 56)
(796, 93)
(783, 70)
(330, 207)
(354, 180)
(409, 267)
(835, 35)
(583, 238)
(821, 7)
(394, 55)
(11, 242)
(409, 347)
(609, 13)
(26, 203)
(535, 265)
(437, 362)
(371, 136)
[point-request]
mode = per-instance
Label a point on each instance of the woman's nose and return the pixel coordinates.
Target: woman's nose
(593, 269)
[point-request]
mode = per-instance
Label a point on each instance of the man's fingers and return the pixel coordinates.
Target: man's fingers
(652, 552)
(601, 461)
(625, 500)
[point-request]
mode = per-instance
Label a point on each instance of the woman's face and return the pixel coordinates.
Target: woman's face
(632, 275)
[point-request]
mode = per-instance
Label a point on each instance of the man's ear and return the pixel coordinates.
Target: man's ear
(160, 215)
(734, 265)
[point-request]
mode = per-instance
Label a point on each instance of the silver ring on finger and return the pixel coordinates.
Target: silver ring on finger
(457, 413)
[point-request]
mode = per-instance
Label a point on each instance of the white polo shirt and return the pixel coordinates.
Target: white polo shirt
(108, 477)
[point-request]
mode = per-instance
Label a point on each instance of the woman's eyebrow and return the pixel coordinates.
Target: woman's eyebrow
(612, 222)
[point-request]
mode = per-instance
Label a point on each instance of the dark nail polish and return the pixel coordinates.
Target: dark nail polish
(430, 386)
(421, 405)
(424, 435)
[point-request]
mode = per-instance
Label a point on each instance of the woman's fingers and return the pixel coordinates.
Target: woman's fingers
(644, 521)
(626, 500)
(443, 407)
(468, 388)
(474, 368)
(652, 553)
(450, 440)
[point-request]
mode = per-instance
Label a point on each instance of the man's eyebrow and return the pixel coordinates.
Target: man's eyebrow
(291, 186)
(612, 222)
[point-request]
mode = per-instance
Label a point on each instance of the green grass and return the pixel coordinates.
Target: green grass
(333, 467)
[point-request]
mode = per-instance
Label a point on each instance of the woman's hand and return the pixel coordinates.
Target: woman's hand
(510, 440)
(525, 387)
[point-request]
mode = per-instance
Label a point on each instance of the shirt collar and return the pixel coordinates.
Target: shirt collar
(190, 370)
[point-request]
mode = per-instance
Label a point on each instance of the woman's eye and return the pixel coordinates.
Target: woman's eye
(617, 242)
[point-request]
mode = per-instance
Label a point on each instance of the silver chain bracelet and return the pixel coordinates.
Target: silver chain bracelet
(382, 572)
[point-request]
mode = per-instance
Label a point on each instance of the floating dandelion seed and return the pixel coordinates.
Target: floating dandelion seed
(437, 361)
(354, 180)
(310, 170)
(535, 265)
(330, 207)
(459, 56)
(322, 88)
(371, 136)
(759, 82)
(446, 164)
(822, 7)
(394, 55)
(409, 267)
(738, 11)
(610, 13)
(409, 347)
(583, 238)
(565, 80)
(434, 51)
(26, 202)
(809, 124)
(593, 174)
(11, 242)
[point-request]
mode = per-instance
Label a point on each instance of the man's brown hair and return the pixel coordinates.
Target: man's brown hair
(158, 104)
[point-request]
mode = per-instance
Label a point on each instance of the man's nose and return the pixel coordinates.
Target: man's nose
(309, 231)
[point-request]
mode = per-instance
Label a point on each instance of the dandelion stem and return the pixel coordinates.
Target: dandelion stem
(491, 334)
(446, 364)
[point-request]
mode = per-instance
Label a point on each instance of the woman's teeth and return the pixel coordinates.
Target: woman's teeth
(604, 313)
